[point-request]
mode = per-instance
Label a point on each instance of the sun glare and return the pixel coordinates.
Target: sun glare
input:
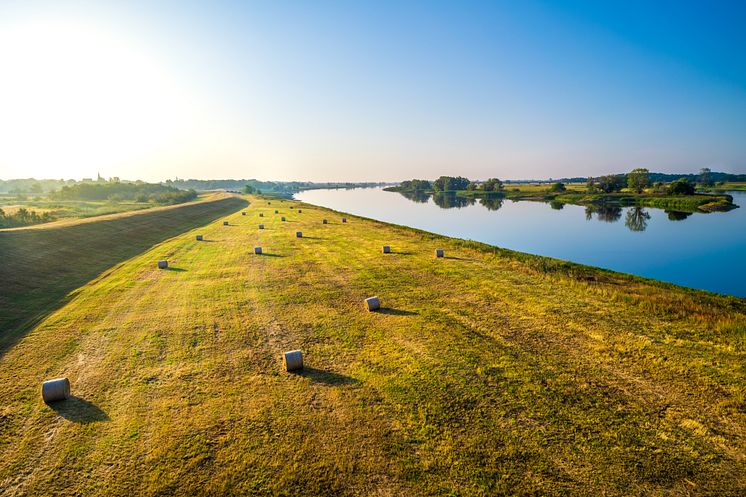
(75, 98)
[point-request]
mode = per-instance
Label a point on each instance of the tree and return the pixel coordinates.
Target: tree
(557, 187)
(450, 183)
(638, 179)
(492, 185)
(610, 183)
(681, 187)
(248, 189)
(705, 178)
(591, 185)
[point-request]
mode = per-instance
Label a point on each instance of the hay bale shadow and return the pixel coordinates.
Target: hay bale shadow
(267, 254)
(176, 269)
(396, 312)
(79, 410)
(326, 377)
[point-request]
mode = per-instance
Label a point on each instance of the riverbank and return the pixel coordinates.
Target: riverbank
(486, 372)
(577, 195)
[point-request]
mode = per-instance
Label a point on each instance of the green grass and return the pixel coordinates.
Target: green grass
(73, 209)
(41, 265)
(488, 372)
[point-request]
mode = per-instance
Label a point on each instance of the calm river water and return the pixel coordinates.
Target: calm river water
(706, 251)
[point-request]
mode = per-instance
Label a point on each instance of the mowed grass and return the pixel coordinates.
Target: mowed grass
(42, 264)
(486, 372)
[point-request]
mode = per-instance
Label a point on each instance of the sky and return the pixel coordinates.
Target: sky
(370, 91)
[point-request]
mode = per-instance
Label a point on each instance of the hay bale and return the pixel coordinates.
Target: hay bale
(386, 249)
(299, 234)
(225, 223)
(276, 211)
(293, 360)
(199, 238)
(299, 211)
(55, 390)
(243, 213)
(162, 264)
(325, 221)
(439, 252)
(261, 226)
(282, 219)
(269, 203)
(373, 303)
(261, 214)
(258, 250)
(344, 219)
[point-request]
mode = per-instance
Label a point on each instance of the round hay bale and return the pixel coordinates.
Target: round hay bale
(276, 211)
(282, 219)
(439, 253)
(225, 223)
(199, 238)
(299, 234)
(326, 221)
(261, 214)
(162, 264)
(269, 203)
(258, 250)
(261, 226)
(55, 390)
(373, 303)
(293, 360)
(344, 219)
(299, 211)
(386, 249)
(243, 213)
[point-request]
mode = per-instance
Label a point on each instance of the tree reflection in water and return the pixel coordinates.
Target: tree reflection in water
(607, 214)
(677, 215)
(492, 203)
(637, 219)
(447, 200)
(418, 196)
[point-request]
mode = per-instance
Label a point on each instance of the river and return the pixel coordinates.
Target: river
(704, 251)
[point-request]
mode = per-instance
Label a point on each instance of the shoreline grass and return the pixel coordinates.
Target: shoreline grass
(487, 372)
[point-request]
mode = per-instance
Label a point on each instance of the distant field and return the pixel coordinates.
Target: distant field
(42, 264)
(487, 372)
(72, 209)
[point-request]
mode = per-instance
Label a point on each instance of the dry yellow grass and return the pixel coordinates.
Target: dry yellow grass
(487, 372)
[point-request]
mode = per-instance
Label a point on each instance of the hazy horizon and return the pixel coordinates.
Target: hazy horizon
(370, 91)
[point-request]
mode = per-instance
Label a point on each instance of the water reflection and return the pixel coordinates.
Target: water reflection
(607, 214)
(637, 219)
(492, 203)
(418, 196)
(447, 200)
(677, 215)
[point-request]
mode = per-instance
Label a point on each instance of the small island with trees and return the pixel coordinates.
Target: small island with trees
(639, 187)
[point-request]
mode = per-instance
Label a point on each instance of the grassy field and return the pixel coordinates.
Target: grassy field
(42, 264)
(487, 372)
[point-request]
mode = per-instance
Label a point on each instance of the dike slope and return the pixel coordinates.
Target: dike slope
(487, 372)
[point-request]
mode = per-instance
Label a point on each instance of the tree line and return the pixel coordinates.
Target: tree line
(23, 217)
(638, 180)
(117, 192)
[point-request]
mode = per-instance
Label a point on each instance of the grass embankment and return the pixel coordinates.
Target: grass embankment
(72, 209)
(42, 264)
(487, 372)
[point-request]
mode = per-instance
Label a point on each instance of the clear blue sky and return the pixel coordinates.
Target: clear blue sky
(349, 90)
